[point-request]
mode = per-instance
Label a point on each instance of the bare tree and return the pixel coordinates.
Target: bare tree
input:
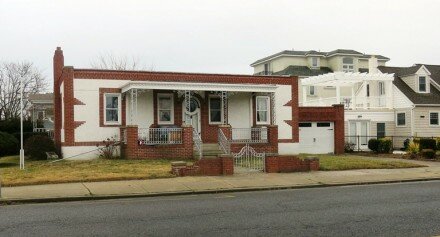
(11, 74)
(112, 62)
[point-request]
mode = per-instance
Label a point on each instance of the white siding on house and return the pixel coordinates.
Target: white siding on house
(283, 95)
(400, 100)
(422, 128)
(402, 132)
(62, 110)
(87, 91)
(145, 110)
(239, 110)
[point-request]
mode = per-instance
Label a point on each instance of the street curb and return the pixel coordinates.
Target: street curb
(125, 196)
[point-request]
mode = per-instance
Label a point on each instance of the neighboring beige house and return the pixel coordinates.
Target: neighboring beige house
(417, 111)
(41, 112)
(312, 63)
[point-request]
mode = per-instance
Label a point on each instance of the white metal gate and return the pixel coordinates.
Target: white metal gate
(249, 159)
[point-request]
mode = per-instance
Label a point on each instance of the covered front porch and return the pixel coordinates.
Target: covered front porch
(176, 120)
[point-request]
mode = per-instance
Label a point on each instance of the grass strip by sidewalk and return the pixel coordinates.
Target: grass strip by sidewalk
(44, 172)
(350, 162)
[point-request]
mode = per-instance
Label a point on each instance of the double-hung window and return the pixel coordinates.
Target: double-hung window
(381, 88)
(434, 118)
(311, 90)
(112, 109)
(380, 130)
(262, 109)
(267, 69)
(401, 119)
(422, 84)
(348, 64)
(165, 106)
(215, 110)
(315, 62)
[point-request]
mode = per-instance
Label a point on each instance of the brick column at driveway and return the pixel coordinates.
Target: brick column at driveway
(272, 138)
(187, 141)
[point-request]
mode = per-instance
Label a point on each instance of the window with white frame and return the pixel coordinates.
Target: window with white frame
(401, 119)
(112, 108)
(315, 62)
(311, 90)
(267, 69)
(348, 64)
(215, 110)
(262, 109)
(433, 118)
(381, 88)
(422, 84)
(165, 106)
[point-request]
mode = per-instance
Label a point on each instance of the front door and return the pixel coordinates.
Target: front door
(359, 134)
(193, 115)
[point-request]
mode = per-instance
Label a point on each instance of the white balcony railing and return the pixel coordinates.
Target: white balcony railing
(249, 135)
(372, 102)
(157, 136)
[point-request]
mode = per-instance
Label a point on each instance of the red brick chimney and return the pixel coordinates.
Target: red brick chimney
(58, 65)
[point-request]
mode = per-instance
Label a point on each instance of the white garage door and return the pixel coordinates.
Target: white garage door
(316, 137)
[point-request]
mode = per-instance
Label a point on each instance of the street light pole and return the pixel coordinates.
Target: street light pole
(21, 126)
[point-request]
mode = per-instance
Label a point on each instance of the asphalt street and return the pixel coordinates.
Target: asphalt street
(404, 209)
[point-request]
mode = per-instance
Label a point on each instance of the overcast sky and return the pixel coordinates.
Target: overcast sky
(215, 36)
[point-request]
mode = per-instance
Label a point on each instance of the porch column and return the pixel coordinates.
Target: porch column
(273, 117)
(133, 105)
(224, 96)
(304, 95)
(338, 94)
(389, 94)
(353, 98)
(187, 120)
(365, 98)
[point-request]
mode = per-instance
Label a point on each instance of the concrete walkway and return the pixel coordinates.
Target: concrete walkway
(203, 184)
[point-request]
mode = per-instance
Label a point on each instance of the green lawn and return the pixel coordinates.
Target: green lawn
(43, 172)
(350, 162)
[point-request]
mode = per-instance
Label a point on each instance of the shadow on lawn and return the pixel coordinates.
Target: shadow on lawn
(6, 165)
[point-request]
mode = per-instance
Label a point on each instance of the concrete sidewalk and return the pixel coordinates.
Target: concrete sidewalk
(204, 184)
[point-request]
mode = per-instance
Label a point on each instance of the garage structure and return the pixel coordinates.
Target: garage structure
(321, 129)
(317, 137)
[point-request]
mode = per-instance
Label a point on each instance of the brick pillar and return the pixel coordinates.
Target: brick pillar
(58, 64)
(187, 140)
(226, 129)
(131, 147)
(227, 164)
(69, 116)
(272, 137)
(339, 136)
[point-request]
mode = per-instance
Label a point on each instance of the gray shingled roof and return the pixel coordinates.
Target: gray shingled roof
(41, 97)
(324, 54)
(303, 71)
(417, 98)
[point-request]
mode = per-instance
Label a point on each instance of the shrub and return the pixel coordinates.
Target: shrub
(349, 147)
(27, 135)
(373, 144)
(428, 153)
(406, 144)
(109, 149)
(36, 147)
(13, 126)
(428, 143)
(413, 148)
(385, 145)
(8, 144)
(438, 143)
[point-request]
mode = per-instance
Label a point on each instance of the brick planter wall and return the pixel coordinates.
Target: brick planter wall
(223, 165)
(132, 149)
(287, 164)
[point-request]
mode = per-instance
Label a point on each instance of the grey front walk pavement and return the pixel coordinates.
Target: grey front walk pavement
(242, 181)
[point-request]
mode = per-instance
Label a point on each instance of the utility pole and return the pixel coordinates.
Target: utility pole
(21, 126)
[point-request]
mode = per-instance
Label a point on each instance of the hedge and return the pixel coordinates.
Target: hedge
(8, 144)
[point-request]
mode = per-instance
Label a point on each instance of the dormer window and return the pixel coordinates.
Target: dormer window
(315, 62)
(347, 64)
(422, 84)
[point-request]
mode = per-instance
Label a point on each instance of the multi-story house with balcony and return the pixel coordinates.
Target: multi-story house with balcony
(379, 101)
